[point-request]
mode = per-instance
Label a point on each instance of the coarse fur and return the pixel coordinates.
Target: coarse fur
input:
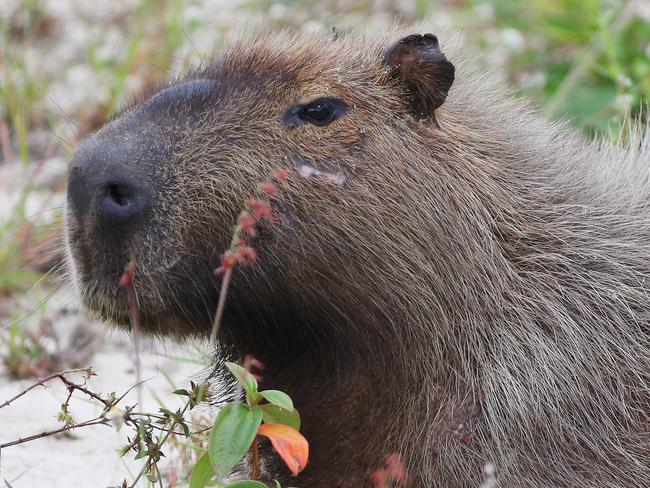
(471, 289)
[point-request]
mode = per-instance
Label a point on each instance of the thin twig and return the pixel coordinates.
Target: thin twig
(41, 382)
(96, 421)
(136, 385)
(74, 386)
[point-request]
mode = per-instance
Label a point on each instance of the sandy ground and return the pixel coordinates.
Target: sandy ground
(88, 457)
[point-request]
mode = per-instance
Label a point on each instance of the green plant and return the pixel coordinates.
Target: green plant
(22, 351)
(235, 432)
(589, 58)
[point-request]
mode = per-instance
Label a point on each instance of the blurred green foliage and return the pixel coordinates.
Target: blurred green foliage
(594, 56)
(587, 60)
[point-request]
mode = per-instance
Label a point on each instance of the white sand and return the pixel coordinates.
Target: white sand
(89, 456)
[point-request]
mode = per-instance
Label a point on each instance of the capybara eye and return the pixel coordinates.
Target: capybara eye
(319, 112)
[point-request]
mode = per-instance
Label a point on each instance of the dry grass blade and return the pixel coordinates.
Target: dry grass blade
(126, 281)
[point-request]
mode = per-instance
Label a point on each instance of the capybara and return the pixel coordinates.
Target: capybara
(448, 276)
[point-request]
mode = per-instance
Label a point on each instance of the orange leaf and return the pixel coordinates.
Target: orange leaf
(292, 447)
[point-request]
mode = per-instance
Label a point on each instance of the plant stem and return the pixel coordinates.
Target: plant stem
(127, 282)
(160, 443)
(41, 382)
(225, 281)
(96, 421)
(221, 305)
(255, 470)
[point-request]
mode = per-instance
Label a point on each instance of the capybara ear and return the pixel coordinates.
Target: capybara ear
(424, 74)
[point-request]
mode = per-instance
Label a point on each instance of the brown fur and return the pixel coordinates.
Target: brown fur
(475, 291)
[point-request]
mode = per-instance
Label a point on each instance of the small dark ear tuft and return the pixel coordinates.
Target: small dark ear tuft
(424, 73)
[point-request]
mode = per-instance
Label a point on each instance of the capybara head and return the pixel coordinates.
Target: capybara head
(166, 180)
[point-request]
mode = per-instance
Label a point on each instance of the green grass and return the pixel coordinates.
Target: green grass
(154, 32)
(23, 90)
(593, 57)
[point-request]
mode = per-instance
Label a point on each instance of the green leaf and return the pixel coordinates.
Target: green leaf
(182, 392)
(279, 398)
(232, 434)
(186, 429)
(141, 454)
(246, 484)
(202, 472)
(246, 379)
(272, 414)
(166, 412)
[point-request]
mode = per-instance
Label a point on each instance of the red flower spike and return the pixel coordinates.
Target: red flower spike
(241, 262)
(269, 189)
(237, 253)
(246, 220)
(260, 208)
(247, 224)
(379, 478)
(395, 467)
(393, 471)
(249, 254)
(125, 279)
(250, 362)
(280, 175)
(228, 260)
(127, 275)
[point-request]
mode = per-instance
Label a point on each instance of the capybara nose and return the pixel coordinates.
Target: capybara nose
(120, 201)
(105, 192)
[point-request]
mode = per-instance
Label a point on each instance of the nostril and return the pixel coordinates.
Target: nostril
(121, 201)
(117, 194)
